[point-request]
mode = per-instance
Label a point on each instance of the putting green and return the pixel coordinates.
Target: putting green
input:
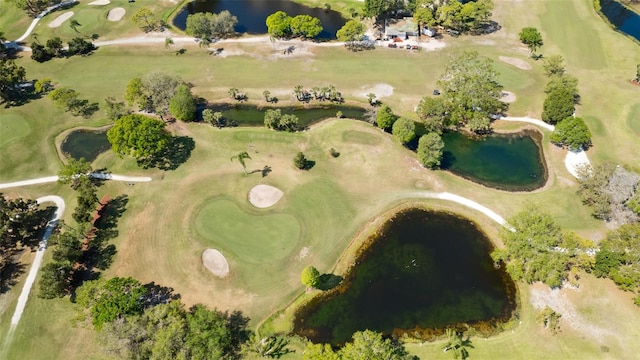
(255, 239)
(12, 127)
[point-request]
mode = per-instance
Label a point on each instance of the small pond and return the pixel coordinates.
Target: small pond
(513, 162)
(252, 14)
(622, 18)
(422, 272)
(251, 115)
(87, 144)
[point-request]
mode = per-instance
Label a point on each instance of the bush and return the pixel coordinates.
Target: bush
(558, 105)
(334, 153)
(549, 319)
(404, 130)
(572, 132)
(385, 117)
(430, 150)
(182, 105)
(300, 161)
(310, 275)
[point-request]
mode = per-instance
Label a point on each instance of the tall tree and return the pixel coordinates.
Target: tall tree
(139, 136)
(385, 117)
(11, 75)
(144, 19)
(573, 133)
(352, 30)
(241, 157)
(74, 171)
(310, 277)
(471, 91)
(531, 37)
(183, 105)
(371, 345)
(434, 113)
(430, 150)
(404, 130)
(558, 105)
(279, 25)
(305, 26)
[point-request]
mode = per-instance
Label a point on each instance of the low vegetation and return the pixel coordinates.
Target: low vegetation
(619, 258)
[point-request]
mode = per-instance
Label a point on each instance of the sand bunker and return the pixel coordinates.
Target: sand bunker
(508, 97)
(381, 90)
(520, 64)
(264, 196)
(60, 19)
(215, 262)
(116, 14)
(100, 2)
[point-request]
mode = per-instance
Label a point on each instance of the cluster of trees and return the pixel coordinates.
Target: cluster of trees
(612, 192)
(365, 344)
(353, 30)
(12, 77)
(470, 96)
(136, 321)
(162, 93)
(461, 16)
(34, 7)
(54, 48)
(20, 223)
(275, 119)
(538, 250)
(326, 93)
(619, 258)
(280, 25)
(206, 26)
(216, 119)
(69, 100)
(145, 19)
(237, 95)
(139, 136)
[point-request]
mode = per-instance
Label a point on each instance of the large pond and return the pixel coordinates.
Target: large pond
(422, 272)
(87, 144)
(252, 14)
(251, 115)
(622, 18)
(513, 162)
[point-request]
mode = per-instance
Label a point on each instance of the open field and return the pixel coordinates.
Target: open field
(203, 204)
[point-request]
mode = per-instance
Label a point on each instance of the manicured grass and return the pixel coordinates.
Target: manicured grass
(170, 221)
(255, 238)
(13, 21)
(12, 128)
(633, 119)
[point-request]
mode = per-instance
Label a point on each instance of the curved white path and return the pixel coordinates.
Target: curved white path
(50, 179)
(40, 16)
(37, 261)
(528, 120)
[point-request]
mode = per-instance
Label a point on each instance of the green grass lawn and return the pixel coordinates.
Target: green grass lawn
(203, 203)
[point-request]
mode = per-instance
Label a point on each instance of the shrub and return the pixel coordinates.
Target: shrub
(310, 275)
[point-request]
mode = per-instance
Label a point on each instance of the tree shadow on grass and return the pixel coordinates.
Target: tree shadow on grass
(176, 153)
(329, 281)
(10, 275)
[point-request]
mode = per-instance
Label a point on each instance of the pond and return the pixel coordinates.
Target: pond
(422, 272)
(512, 162)
(621, 17)
(252, 14)
(87, 144)
(252, 115)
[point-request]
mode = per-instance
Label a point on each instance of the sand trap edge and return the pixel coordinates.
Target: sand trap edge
(264, 196)
(215, 262)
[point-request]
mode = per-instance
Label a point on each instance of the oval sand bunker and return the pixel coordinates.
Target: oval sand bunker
(60, 19)
(264, 196)
(215, 262)
(116, 14)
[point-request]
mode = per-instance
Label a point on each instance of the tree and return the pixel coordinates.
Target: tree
(33, 7)
(199, 25)
(183, 105)
(11, 75)
(553, 65)
(39, 53)
(74, 171)
(207, 25)
(213, 118)
(305, 26)
(55, 280)
(54, 47)
(153, 92)
(457, 344)
(43, 86)
(208, 336)
(404, 129)
(537, 249)
(267, 95)
(471, 91)
(144, 19)
(319, 352)
(385, 117)
(301, 162)
(79, 46)
(241, 157)
(637, 79)
(531, 37)
(573, 133)
(310, 275)
(74, 24)
(168, 41)
(270, 346)
(563, 82)
(112, 299)
(279, 25)
(352, 30)
(69, 100)
(139, 136)
(558, 105)
(87, 201)
(115, 109)
(223, 24)
(621, 257)
(430, 150)
(375, 8)
(593, 182)
(434, 113)
(274, 119)
(371, 345)
(20, 222)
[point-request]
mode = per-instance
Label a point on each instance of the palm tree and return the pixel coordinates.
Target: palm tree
(34, 35)
(74, 24)
(297, 91)
(457, 344)
(241, 157)
(233, 93)
(168, 42)
(267, 95)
